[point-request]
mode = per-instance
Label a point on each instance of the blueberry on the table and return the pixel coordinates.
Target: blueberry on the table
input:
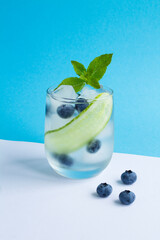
(65, 159)
(94, 146)
(104, 190)
(127, 197)
(65, 110)
(81, 104)
(128, 177)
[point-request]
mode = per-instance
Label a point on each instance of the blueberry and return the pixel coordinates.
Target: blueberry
(64, 159)
(128, 177)
(127, 197)
(81, 104)
(94, 146)
(104, 190)
(47, 109)
(65, 111)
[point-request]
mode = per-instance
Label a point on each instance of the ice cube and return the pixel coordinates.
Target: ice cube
(54, 121)
(107, 132)
(65, 91)
(100, 157)
(60, 96)
(88, 93)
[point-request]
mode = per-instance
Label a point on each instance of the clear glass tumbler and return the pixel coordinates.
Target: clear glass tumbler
(79, 146)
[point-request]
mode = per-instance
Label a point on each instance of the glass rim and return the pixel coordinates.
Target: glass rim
(50, 91)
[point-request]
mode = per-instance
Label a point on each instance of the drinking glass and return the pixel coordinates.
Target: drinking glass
(81, 145)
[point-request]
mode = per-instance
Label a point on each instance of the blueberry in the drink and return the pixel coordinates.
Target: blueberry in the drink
(65, 110)
(127, 197)
(47, 109)
(81, 104)
(94, 146)
(128, 177)
(104, 190)
(64, 159)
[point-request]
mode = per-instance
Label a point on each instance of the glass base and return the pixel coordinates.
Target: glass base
(77, 174)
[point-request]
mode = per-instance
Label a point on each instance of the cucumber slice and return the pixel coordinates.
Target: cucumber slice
(83, 128)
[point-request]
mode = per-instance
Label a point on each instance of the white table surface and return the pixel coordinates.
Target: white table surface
(38, 204)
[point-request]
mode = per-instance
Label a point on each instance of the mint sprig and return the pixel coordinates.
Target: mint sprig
(91, 75)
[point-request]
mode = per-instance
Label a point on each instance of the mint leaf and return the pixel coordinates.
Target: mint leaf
(97, 67)
(94, 84)
(78, 67)
(75, 82)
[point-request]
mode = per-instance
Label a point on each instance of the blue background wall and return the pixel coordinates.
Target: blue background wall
(39, 38)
